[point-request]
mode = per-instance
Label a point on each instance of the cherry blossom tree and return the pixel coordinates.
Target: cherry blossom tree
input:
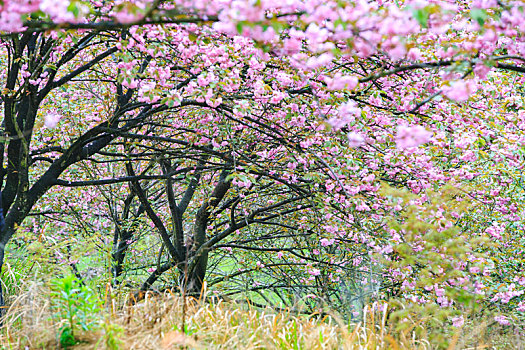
(341, 97)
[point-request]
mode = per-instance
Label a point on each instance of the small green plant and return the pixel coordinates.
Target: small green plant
(75, 303)
(188, 330)
(66, 337)
(111, 338)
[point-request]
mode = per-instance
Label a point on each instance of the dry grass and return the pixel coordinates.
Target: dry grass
(155, 323)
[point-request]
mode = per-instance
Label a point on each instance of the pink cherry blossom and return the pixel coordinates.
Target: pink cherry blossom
(325, 242)
(57, 9)
(314, 272)
(411, 136)
(414, 54)
(460, 90)
(458, 321)
(502, 320)
(341, 82)
(305, 70)
(355, 139)
(51, 120)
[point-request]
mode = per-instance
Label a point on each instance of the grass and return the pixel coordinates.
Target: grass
(169, 322)
(157, 323)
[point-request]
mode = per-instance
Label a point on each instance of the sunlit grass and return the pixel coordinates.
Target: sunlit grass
(157, 322)
(167, 321)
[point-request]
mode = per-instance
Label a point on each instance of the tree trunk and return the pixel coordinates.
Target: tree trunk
(194, 280)
(2, 302)
(195, 277)
(119, 252)
(3, 241)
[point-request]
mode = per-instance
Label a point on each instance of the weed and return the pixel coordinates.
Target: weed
(77, 305)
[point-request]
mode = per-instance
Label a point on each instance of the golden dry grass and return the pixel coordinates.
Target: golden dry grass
(156, 321)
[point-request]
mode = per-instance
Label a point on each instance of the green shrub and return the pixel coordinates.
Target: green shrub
(77, 305)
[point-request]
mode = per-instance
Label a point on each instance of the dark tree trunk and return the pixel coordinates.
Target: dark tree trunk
(2, 302)
(120, 247)
(195, 276)
(195, 279)
(3, 242)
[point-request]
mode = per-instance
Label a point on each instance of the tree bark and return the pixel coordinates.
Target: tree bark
(194, 279)
(2, 302)
(3, 242)
(119, 254)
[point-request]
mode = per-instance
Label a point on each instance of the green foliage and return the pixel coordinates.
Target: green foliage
(421, 16)
(77, 305)
(112, 335)
(188, 329)
(479, 15)
(66, 337)
(430, 252)
(292, 337)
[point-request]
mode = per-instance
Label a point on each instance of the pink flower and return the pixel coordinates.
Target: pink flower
(315, 62)
(481, 70)
(347, 113)
(458, 321)
(57, 9)
(214, 102)
(468, 156)
(495, 231)
(327, 242)
(130, 84)
(369, 178)
(414, 54)
(126, 16)
(502, 320)
(411, 136)
(349, 110)
(51, 120)
(341, 82)
(460, 90)
(10, 21)
(521, 307)
(355, 139)
(292, 46)
(396, 50)
(277, 97)
(474, 269)
(314, 272)
(202, 81)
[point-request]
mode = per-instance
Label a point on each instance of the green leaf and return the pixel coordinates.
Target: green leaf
(421, 15)
(73, 8)
(192, 37)
(239, 26)
(66, 337)
(479, 15)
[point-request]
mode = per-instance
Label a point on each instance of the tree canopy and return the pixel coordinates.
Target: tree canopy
(323, 151)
